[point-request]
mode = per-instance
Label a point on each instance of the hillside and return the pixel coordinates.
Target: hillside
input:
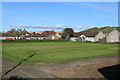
(103, 29)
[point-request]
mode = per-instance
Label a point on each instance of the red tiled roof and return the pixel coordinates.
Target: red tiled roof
(48, 32)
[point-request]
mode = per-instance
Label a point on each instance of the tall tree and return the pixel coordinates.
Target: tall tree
(67, 33)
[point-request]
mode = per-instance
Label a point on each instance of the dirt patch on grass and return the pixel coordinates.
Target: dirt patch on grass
(83, 68)
(89, 70)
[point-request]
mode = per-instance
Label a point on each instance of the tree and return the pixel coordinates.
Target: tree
(12, 32)
(34, 33)
(67, 33)
(22, 32)
(17, 33)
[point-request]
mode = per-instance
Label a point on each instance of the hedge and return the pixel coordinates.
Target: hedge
(34, 40)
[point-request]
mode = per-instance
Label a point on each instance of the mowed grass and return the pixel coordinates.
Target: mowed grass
(56, 51)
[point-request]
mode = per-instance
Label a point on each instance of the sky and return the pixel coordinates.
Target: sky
(59, 15)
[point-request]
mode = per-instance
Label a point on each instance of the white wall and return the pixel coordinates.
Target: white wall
(113, 36)
(3, 38)
(99, 35)
(53, 37)
(73, 38)
(58, 35)
(92, 39)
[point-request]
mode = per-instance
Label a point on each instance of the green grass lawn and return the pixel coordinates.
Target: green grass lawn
(56, 51)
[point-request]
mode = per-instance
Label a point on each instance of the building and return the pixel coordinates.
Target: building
(59, 35)
(100, 36)
(113, 36)
(37, 36)
(6, 36)
(85, 36)
(48, 32)
(53, 37)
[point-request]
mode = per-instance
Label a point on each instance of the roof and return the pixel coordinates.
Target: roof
(90, 34)
(7, 35)
(77, 34)
(48, 32)
(87, 34)
(40, 35)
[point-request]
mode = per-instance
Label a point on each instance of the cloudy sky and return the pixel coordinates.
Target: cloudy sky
(39, 16)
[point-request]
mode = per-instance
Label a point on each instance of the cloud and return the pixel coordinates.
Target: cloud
(57, 26)
(79, 26)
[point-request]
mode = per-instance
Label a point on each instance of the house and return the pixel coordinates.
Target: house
(89, 36)
(33, 37)
(48, 32)
(52, 36)
(113, 36)
(75, 36)
(37, 36)
(43, 36)
(85, 36)
(6, 36)
(59, 35)
(100, 37)
(78, 39)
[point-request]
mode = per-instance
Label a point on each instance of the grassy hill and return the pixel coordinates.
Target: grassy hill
(103, 29)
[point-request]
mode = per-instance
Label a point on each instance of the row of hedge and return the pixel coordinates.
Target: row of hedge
(34, 40)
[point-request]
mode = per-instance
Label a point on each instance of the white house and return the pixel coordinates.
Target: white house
(86, 36)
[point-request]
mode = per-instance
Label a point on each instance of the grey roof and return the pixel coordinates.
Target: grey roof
(87, 34)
